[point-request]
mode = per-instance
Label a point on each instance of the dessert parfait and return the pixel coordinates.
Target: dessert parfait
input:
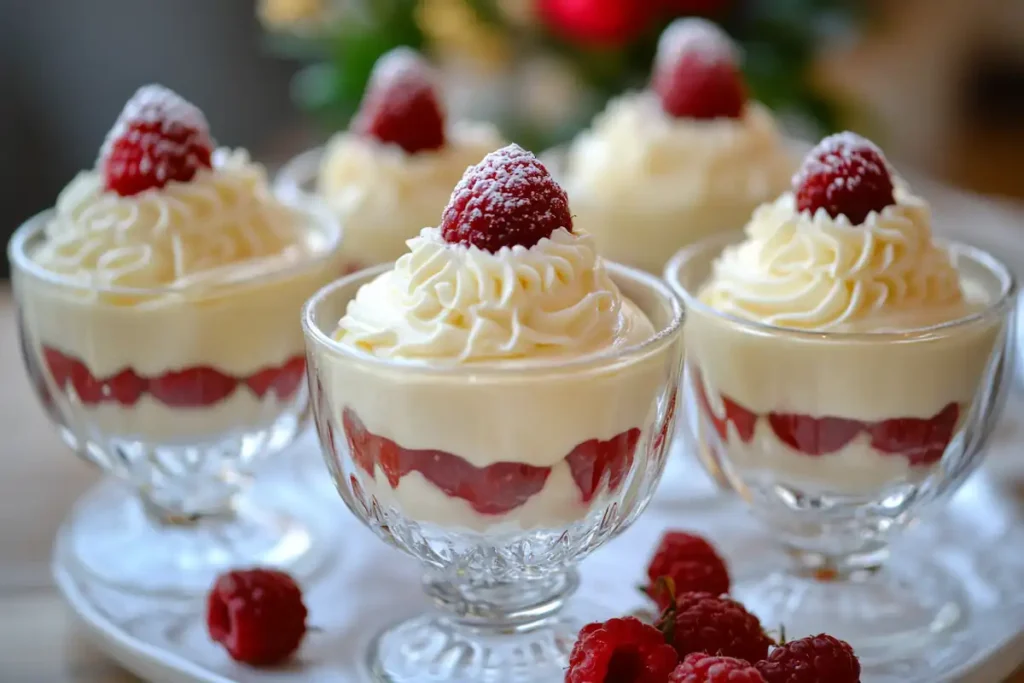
(847, 366)
(156, 302)
(496, 404)
(392, 172)
(688, 157)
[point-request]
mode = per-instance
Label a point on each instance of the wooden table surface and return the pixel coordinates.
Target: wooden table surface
(39, 640)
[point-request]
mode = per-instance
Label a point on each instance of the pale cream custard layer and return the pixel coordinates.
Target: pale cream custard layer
(385, 196)
(219, 267)
(557, 504)
(646, 184)
(816, 274)
(459, 308)
(151, 420)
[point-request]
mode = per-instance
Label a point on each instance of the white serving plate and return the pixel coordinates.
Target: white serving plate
(366, 585)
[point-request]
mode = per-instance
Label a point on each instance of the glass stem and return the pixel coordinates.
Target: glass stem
(167, 511)
(518, 606)
(846, 567)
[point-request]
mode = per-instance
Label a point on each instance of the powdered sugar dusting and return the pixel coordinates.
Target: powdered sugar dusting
(835, 151)
(402, 68)
(507, 199)
(156, 105)
(695, 36)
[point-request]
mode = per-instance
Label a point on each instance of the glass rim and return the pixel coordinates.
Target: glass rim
(302, 168)
(996, 308)
(30, 230)
(499, 368)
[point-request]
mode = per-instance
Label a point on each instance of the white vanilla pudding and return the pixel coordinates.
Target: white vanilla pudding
(164, 288)
(876, 401)
(392, 174)
(669, 166)
(457, 391)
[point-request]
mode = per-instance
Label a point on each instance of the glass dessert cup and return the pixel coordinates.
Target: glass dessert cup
(838, 441)
(180, 394)
(497, 477)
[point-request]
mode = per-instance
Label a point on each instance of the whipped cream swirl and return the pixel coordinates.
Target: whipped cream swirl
(445, 301)
(822, 273)
(638, 154)
(384, 195)
(223, 224)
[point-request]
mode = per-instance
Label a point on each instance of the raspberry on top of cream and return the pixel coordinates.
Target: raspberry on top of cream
(392, 173)
(693, 138)
(505, 276)
(844, 251)
(163, 209)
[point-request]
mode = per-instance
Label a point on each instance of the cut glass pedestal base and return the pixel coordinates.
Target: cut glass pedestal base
(886, 614)
(123, 546)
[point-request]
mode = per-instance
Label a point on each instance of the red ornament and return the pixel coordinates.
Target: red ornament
(605, 23)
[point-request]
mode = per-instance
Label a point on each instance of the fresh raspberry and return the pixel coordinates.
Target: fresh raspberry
(704, 668)
(257, 615)
(811, 660)
(691, 562)
(814, 435)
(844, 174)
(702, 622)
(696, 72)
(192, 388)
(507, 199)
(402, 105)
(620, 651)
(920, 441)
(159, 138)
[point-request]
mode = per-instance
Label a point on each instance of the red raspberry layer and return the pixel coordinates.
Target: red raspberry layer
(496, 489)
(194, 387)
(922, 441)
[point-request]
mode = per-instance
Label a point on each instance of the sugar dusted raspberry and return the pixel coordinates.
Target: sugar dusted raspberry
(696, 72)
(844, 174)
(691, 562)
(811, 660)
(625, 650)
(702, 622)
(258, 615)
(402, 105)
(704, 668)
(508, 199)
(158, 138)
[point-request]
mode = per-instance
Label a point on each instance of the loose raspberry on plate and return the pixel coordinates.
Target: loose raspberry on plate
(815, 659)
(621, 651)
(696, 72)
(159, 138)
(844, 174)
(702, 622)
(402, 105)
(508, 199)
(257, 615)
(704, 668)
(691, 562)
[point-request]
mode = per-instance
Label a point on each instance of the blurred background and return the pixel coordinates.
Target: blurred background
(938, 83)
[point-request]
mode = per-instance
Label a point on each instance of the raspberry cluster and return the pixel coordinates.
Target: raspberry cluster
(702, 636)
